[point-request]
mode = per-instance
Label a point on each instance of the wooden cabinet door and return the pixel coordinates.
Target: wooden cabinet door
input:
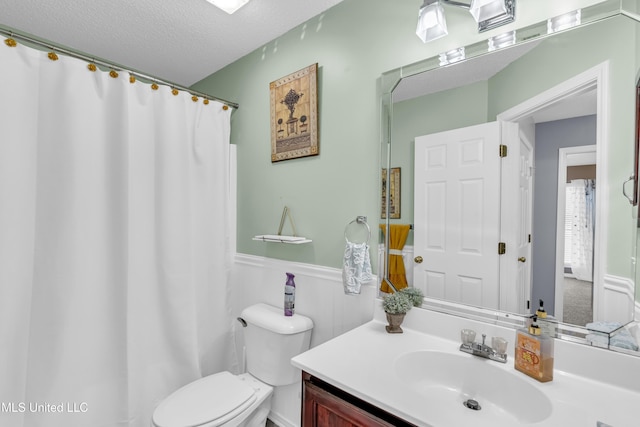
(326, 406)
(323, 409)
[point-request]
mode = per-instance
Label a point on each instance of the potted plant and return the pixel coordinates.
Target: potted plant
(396, 306)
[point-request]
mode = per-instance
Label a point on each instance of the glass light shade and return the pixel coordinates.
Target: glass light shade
(483, 10)
(431, 22)
(228, 6)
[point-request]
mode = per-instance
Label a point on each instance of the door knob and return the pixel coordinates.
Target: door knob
(418, 259)
(522, 259)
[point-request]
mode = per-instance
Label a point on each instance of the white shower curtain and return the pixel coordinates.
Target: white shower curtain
(580, 218)
(113, 243)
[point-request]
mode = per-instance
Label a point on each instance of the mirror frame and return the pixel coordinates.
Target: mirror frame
(391, 79)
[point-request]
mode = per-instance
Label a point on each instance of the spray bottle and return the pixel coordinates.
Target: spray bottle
(289, 295)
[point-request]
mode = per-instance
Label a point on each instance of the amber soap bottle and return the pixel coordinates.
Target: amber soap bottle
(534, 352)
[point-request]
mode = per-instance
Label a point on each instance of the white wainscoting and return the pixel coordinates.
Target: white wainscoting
(619, 300)
(319, 296)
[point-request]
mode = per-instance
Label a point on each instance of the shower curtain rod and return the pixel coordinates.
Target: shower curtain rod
(110, 65)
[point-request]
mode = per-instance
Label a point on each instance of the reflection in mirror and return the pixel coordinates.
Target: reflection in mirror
(563, 107)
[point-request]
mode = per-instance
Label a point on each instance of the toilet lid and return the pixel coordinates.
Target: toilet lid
(219, 397)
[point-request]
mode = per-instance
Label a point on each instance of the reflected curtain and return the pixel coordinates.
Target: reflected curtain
(398, 234)
(580, 202)
(113, 243)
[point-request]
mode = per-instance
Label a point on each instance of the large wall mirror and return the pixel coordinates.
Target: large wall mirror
(512, 166)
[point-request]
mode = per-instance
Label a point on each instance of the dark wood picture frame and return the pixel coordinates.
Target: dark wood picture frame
(294, 115)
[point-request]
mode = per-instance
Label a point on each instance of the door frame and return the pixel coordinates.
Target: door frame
(596, 77)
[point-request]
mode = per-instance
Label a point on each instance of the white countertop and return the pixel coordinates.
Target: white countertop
(361, 362)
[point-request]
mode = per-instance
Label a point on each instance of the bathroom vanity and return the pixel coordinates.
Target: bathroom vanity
(368, 377)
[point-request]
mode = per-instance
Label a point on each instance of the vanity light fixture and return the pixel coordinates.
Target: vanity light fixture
(431, 22)
(488, 14)
(228, 6)
(502, 40)
(562, 22)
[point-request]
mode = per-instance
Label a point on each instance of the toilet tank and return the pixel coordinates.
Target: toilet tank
(271, 340)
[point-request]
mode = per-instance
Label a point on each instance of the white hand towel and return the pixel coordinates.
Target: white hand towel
(357, 267)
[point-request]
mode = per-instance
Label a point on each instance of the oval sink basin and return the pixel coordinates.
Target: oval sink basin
(453, 384)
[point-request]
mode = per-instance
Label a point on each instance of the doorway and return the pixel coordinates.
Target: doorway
(575, 234)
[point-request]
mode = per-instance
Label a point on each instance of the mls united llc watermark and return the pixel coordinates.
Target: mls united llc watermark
(43, 407)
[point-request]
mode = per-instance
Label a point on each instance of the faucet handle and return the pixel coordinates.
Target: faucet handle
(467, 336)
(499, 345)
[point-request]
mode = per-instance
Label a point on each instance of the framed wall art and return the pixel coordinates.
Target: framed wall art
(294, 115)
(393, 189)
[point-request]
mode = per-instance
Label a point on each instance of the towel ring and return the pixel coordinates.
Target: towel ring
(359, 220)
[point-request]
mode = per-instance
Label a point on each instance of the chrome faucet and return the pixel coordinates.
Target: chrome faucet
(497, 353)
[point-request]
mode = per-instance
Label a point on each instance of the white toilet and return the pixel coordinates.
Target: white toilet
(224, 399)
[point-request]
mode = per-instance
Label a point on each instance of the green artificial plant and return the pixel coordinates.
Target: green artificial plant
(396, 303)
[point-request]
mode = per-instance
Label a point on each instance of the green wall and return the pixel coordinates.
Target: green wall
(353, 44)
(327, 191)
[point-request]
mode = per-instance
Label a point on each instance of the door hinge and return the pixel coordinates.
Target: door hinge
(528, 305)
(529, 238)
(502, 248)
(503, 150)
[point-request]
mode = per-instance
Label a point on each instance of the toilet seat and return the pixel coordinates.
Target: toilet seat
(210, 401)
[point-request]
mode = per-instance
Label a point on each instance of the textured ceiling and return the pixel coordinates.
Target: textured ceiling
(181, 41)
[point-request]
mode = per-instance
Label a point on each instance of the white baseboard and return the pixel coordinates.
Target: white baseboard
(280, 421)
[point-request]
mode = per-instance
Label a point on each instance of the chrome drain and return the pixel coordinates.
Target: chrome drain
(472, 404)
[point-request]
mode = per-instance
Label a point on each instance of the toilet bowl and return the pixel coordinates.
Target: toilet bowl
(225, 399)
(221, 399)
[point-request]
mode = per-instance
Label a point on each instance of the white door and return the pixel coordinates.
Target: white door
(457, 210)
(523, 234)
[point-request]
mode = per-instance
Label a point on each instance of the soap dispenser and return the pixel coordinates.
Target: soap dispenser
(546, 322)
(534, 352)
